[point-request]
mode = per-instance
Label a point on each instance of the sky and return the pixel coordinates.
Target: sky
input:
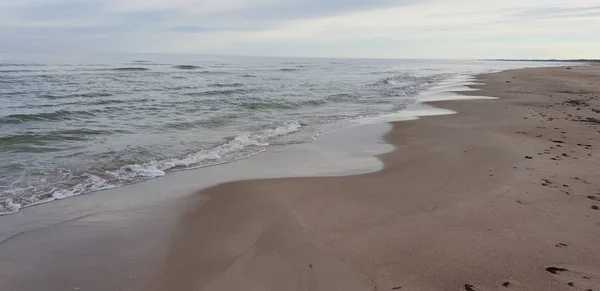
(433, 29)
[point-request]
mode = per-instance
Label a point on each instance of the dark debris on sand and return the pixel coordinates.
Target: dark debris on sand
(556, 270)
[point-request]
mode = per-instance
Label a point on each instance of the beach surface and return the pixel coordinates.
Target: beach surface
(503, 195)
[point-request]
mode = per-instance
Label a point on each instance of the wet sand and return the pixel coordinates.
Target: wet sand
(503, 195)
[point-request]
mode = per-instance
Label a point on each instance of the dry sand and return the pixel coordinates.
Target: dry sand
(500, 196)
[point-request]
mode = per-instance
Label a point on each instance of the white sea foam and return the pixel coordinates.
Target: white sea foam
(92, 183)
(8, 206)
(240, 147)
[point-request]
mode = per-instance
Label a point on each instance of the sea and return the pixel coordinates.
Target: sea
(75, 125)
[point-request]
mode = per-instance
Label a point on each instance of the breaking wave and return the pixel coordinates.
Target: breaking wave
(239, 147)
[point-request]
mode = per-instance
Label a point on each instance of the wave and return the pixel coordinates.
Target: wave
(47, 116)
(31, 139)
(342, 97)
(76, 95)
(397, 80)
(36, 106)
(23, 71)
(282, 105)
(209, 157)
(206, 72)
(220, 65)
(41, 139)
(405, 79)
(391, 81)
(218, 92)
(21, 65)
(100, 102)
(127, 69)
(206, 123)
(311, 102)
(105, 102)
(225, 85)
(180, 88)
(266, 105)
(187, 67)
(240, 147)
(287, 70)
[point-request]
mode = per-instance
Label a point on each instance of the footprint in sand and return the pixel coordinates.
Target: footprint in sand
(470, 287)
(508, 285)
(580, 278)
(595, 198)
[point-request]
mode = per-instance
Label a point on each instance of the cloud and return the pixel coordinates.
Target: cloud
(204, 30)
(350, 28)
(302, 9)
(561, 12)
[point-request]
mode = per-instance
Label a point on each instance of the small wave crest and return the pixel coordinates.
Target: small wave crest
(186, 67)
(265, 105)
(342, 97)
(31, 142)
(406, 79)
(218, 92)
(21, 65)
(213, 122)
(75, 95)
(127, 69)
(47, 116)
(398, 80)
(225, 85)
(22, 71)
(207, 72)
(408, 85)
(105, 102)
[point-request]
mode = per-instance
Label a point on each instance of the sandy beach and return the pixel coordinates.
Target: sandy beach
(299, 145)
(503, 195)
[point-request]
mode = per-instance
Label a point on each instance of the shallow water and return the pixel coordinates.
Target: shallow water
(74, 127)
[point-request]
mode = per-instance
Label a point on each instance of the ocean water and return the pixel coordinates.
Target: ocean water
(70, 127)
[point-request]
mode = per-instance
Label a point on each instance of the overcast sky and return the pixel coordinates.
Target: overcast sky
(307, 28)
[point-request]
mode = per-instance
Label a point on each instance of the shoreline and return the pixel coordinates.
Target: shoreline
(98, 181)
(330, 239)
(464, 202)
(381, 120)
